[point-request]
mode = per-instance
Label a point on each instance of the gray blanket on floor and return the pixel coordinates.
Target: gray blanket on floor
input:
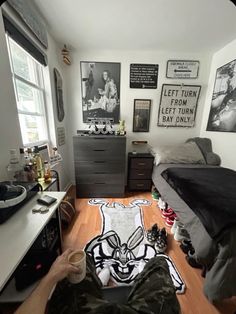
(218, 256)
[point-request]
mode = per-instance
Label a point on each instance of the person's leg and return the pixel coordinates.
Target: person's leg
(153, 290)
(71, 298)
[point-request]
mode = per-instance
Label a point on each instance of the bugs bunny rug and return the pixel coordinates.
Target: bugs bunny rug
(121, 246)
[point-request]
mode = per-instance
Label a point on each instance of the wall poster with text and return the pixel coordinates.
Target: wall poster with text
(222, 116)
(100, 90)
(178, 105)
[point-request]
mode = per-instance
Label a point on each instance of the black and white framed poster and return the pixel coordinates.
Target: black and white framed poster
(100, 90)
(182, 69)
(178, 105)
(141, 117)
(222, 116)
(143, 76)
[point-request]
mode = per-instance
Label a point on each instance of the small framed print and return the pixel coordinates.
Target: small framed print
(141, 117)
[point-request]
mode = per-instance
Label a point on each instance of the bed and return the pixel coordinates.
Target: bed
(217, 253)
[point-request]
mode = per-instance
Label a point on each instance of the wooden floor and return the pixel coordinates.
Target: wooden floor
(88, 224)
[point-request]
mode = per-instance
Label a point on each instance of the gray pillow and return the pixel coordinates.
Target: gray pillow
(213, 159)
(187, 153)
(203, 143)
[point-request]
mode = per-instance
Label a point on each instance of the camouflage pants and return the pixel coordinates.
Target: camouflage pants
(152, 292)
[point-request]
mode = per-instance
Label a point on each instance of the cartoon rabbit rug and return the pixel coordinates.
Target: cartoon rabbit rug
(122, 246)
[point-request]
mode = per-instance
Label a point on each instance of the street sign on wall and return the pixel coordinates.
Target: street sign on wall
(178, 105)
(182, 69)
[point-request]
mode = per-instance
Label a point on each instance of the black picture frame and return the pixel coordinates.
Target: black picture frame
(100, 87)
(222, 115)
(144, 76)
(141, 115)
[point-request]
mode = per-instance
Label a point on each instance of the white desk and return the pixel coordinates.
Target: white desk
(19, 232)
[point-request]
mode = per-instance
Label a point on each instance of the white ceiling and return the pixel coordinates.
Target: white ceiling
(176, 25)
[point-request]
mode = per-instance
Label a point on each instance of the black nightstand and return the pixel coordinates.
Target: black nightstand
(140, 171)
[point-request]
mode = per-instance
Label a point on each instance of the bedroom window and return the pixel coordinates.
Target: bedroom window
(27, 75)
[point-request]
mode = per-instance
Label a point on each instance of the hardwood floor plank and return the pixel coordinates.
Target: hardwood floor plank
(88, 224)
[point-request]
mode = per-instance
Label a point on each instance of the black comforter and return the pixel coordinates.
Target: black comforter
(209, 192)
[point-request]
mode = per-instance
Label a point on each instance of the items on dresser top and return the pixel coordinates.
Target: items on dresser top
(140, 171)
(99, 165)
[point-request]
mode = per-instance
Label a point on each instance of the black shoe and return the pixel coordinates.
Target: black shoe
(161, 242)
(192, 261)
(186, 246)
(152, 234)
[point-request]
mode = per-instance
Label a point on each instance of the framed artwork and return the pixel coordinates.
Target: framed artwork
(100, 84)
(178, 105)
(141, 117)
(143, 76)
(222, 116)
(182, 69)
(59, 95)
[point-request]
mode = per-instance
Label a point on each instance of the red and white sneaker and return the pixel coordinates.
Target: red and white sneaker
(170, 220)
(167, 212)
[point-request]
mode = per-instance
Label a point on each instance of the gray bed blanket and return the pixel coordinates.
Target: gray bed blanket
(219, 257)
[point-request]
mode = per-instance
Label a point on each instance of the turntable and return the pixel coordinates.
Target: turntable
(14, 195)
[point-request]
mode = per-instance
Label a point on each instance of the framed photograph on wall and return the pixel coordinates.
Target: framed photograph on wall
(141, 117)
(100, 90)
(222, 116)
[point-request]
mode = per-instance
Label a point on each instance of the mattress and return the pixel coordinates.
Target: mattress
(218, 257)
(192, 223)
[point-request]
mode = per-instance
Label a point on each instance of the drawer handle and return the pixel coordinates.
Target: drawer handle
(140, 174)
(141, 163)
(99, 150)
(99, 162)
(140, 184)
(99, 138)
(100, 172)
(99, 183)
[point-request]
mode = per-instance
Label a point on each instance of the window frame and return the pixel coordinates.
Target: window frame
(40, 87)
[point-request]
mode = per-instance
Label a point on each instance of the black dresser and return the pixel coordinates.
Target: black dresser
(140, 171)
(99, 165)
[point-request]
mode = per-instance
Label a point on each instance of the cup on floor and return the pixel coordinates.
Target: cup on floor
(77, 259)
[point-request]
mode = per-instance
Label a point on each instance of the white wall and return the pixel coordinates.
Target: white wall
(223, 142)
(9, 124)
(55, 61)
(156, 134)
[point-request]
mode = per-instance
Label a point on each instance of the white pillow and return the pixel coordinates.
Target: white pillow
(187, 153)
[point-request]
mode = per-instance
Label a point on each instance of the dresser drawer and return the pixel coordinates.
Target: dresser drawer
(102, 167)
(100, 190)
(90, 149)
(144, 185)
(140, 174)
(141, 163)
(99, 165)
(100, 178)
